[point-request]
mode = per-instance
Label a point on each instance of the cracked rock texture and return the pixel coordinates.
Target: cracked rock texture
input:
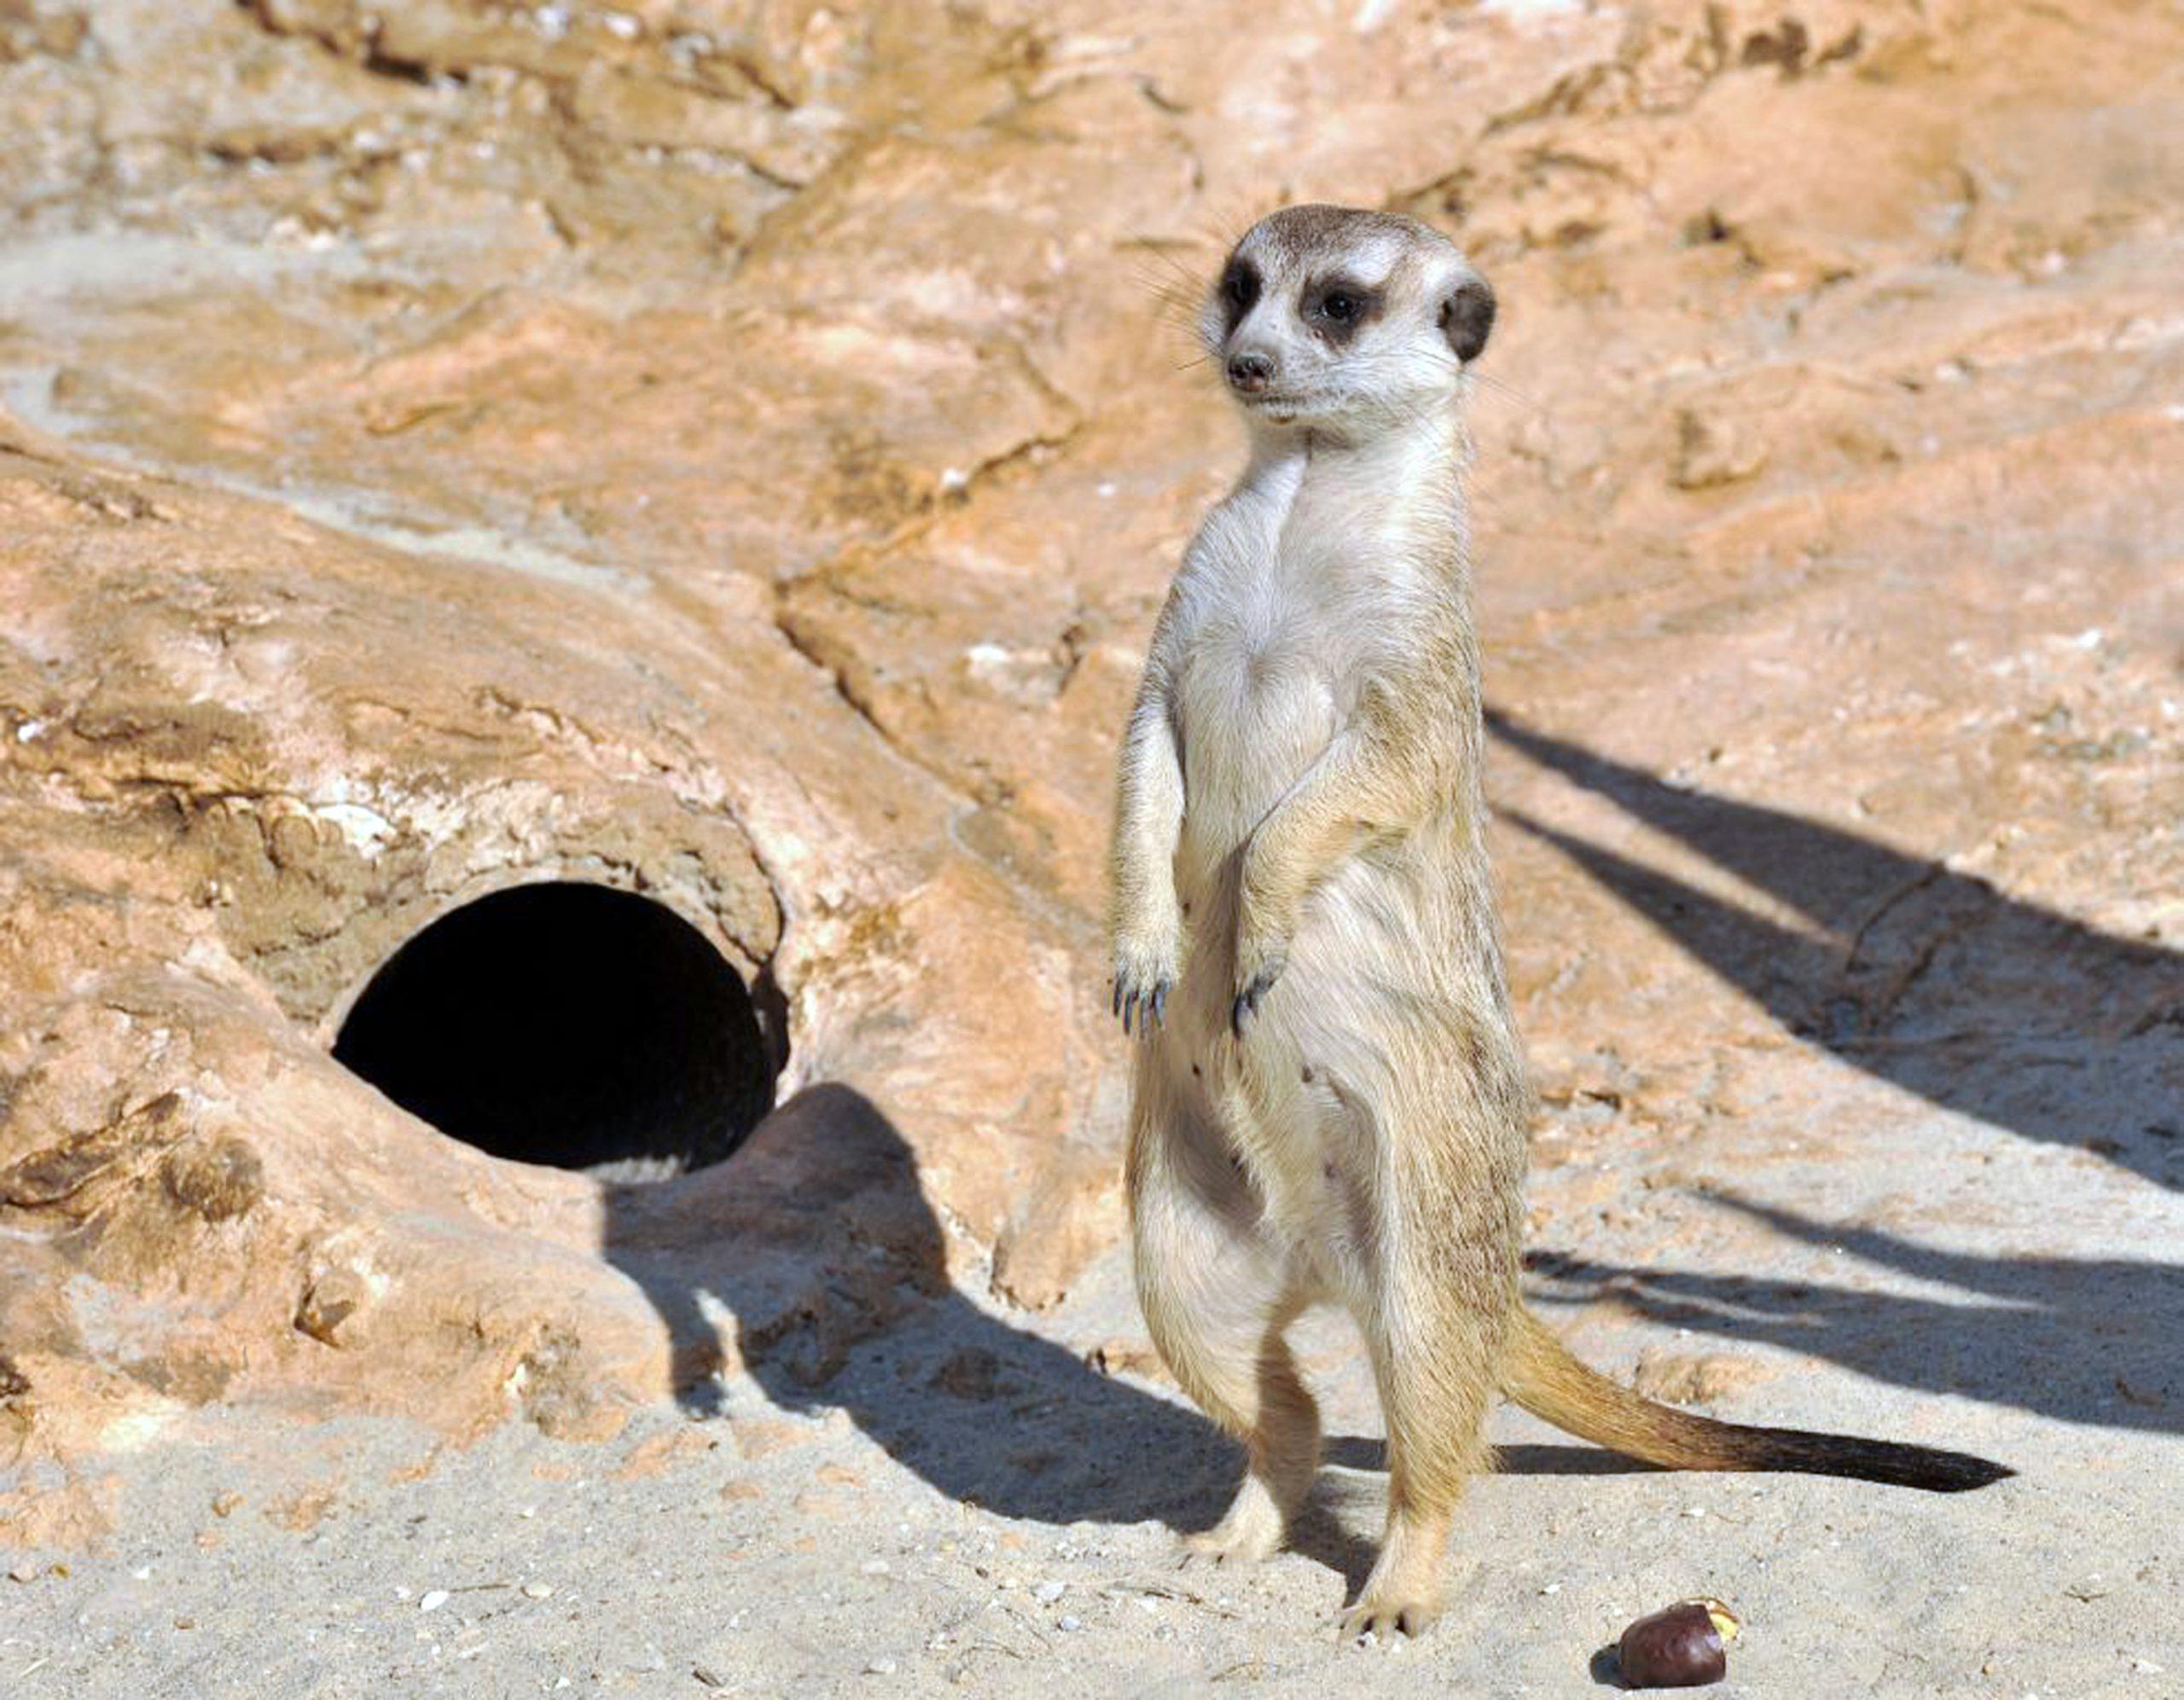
(734, 453)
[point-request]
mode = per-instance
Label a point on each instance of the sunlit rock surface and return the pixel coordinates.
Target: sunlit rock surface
(734, 454)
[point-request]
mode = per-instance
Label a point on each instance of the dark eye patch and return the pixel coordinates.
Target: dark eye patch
(1335, 307)
(1238, 292)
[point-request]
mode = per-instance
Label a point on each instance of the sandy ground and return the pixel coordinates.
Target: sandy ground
(969, 1505)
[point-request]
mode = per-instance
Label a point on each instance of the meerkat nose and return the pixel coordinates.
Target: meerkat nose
(1250, 373)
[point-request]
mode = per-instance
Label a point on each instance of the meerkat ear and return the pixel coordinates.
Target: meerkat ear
(1466, 317)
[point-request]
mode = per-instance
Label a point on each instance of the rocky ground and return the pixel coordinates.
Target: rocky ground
(732, 455)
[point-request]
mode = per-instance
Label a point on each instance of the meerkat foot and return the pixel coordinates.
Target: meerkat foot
(1403, 1592)
(1252, 1530)
(1382, 1618)
(1404, 1598)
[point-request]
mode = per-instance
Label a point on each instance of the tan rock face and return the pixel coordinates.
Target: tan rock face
(734, 455)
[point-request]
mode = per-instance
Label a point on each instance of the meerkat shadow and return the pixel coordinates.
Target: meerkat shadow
(811, 1260)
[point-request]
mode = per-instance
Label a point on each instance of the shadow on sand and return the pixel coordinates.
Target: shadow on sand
(1932, 980)
(816, 1247)
(2087, 1340)
(815, 1251)
(1938, 983)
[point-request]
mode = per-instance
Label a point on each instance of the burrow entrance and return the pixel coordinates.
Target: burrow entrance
(569, 1025)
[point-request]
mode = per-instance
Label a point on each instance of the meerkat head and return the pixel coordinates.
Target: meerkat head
(1327, 319)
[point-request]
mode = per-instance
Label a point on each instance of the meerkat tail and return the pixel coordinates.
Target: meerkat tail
(1541, 1374)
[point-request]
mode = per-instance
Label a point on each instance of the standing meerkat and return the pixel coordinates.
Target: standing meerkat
(1330, 1101)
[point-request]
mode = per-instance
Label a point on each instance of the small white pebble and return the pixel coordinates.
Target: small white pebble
(143, 1574)
(1071, 1624)
(528, 1511)
(874, 1567)
(538, 1590)
(1048, 1592)
(880, 1668)
(432, 1601)
(1552, 1587)
(1694, 1511)
(2146, 1666)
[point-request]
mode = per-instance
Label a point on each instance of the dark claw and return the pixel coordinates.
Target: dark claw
(1141, 1011)
(1248, 1000)
(1149, 1013)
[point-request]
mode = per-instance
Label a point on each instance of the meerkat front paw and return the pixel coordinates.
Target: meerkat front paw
(1145, 973)
(1258, 966)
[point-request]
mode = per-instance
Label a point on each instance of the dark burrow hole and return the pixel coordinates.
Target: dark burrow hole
(570, 1025)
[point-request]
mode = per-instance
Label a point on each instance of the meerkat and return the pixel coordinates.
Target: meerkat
(1330, 1100)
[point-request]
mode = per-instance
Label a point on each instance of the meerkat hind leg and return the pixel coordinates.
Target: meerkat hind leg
(1282, 1447)
(1217, 1300)
(1434, 1393)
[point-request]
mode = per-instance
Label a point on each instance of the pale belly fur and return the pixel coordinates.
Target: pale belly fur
(1293, 1101)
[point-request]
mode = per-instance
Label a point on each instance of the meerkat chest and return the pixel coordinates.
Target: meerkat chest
(1284, 637)
(1268, 682)
(1276, 636)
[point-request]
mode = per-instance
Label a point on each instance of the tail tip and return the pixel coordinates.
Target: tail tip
(1961, 1472)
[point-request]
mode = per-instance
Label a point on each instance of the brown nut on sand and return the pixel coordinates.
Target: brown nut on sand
(1684, 1646)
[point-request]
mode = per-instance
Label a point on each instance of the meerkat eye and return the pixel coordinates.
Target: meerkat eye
(1239, 287)
(1337, 309)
